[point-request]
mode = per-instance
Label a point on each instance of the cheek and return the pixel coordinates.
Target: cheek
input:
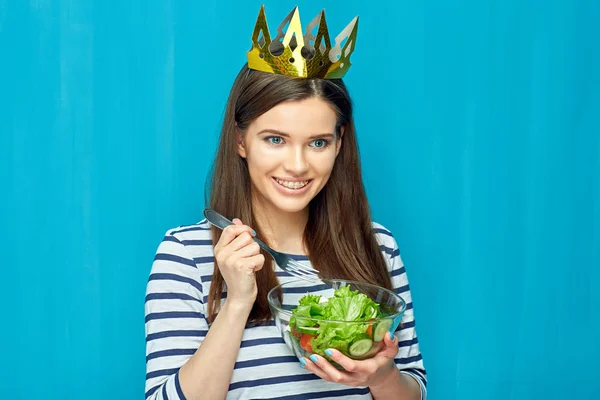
(261, 158)
(323, 165)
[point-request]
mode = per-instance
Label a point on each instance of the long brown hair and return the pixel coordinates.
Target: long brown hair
(339, 235)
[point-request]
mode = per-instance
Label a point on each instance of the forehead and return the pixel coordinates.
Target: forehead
(302, 117)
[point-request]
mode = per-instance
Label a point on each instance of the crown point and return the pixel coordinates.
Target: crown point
(294, 54)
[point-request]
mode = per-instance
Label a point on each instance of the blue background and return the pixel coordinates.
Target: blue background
(479, 127)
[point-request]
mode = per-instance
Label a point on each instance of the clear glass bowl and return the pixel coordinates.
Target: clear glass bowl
(300, 336)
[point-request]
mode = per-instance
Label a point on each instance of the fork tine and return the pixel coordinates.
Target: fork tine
(300, 270)
(302, 267)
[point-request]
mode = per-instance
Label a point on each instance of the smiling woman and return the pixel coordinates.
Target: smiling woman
(287, 170)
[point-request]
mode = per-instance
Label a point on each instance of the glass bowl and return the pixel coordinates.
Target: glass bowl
(310, 333)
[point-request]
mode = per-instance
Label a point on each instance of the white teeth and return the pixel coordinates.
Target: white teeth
(292, 185)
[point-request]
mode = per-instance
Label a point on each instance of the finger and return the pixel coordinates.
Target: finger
(312, 367)
(249, 265)
(248, 250)
(231, 232)
(241, 241)
(390, 347)
(258, 261)
(347, 363)
(334, 374)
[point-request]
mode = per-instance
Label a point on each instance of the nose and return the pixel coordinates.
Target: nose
(295, 162)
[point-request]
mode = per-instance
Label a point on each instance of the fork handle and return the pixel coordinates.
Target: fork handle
(221, 222)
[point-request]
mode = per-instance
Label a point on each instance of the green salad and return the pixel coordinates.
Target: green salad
(314, 323)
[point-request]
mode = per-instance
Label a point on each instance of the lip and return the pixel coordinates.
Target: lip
(287, 191)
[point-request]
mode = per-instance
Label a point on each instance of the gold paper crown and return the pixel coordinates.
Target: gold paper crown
(302, 56)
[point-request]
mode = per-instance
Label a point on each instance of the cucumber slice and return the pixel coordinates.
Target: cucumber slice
(381, 328)
(311, 330)
(360, 347)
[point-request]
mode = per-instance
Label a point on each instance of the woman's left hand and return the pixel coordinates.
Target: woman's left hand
(357, 372)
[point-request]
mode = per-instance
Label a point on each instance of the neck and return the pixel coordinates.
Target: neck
(283, 231)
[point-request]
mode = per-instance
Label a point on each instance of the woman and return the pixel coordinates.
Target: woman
(287, 167)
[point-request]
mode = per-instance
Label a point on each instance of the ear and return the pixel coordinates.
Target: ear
(338, 143)
(241, 147)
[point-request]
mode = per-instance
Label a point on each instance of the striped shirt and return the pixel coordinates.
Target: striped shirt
(265, 368)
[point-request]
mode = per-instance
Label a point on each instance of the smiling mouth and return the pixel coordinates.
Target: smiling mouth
(294, 185)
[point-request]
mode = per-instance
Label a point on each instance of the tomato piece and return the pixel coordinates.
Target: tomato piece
(370, 331)
(295, 332)
(305, 342)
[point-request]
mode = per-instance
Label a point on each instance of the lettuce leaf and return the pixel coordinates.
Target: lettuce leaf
(345, 305)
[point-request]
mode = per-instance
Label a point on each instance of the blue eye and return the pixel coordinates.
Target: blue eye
(320, 143)
(275, 140)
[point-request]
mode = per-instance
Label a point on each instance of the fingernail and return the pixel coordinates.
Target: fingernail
(328, 352)
(314, 358)
(302, 362)
(253, 232)
(302, 366)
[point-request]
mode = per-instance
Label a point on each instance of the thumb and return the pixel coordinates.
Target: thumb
(390, 346)
(237, 221)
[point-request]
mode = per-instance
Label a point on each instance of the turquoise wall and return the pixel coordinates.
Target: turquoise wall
(479, 126)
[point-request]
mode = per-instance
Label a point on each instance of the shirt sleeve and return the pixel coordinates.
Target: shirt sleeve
(175, 320)
(409, 358)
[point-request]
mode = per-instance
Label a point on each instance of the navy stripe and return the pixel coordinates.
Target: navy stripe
(320, 395)
(409, 306)
(171, 296)
(398, 271)
(174, 314)
(419, 373)
(171, 352)
(263, 361)
(180, 333)
(305, 289)
(178, 278)
(406, 325)
(150, 392)
(387, 250)
(171, 239)
(173, 258)
(164, 391)
(298, 257)
(273, 381)
(408, 360)
(161, 372)
(178, 387)
(260, 342)
(402, 289)
(383, 231)
(202, 242)
(396, 253)
(223, 296)
(204, 260)
(405, 343)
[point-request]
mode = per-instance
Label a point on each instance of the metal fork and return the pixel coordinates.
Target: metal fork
(284, 261)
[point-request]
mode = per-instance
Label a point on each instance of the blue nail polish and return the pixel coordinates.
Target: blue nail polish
(302, 361)
(314, 358)
(302, 366)
(253, 232)
(328, 352)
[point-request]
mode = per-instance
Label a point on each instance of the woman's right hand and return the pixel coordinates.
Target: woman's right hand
(238, 258)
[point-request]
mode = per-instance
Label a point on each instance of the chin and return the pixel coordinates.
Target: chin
(291, 207)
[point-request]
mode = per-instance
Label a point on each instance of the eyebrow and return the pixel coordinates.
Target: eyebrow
(281, 133)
